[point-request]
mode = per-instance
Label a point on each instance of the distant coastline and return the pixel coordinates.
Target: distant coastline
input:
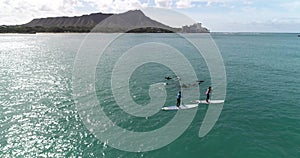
(134, 21)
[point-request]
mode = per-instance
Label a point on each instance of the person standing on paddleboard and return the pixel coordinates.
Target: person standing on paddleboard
(208, 91)
(178, 99)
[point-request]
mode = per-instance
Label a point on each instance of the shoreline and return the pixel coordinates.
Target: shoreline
(212, 33)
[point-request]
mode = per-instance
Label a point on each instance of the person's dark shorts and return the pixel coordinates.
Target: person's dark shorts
(207, 96)
(178, 102)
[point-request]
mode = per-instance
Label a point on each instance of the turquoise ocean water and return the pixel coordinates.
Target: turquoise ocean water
(260, 118)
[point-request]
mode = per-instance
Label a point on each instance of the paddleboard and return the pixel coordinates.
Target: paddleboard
(210, 101)
(182, 107)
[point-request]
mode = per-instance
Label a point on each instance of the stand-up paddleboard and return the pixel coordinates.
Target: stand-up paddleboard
(181, 107)
(210, 101)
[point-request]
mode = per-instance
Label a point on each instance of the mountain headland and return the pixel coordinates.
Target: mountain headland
(134, 21)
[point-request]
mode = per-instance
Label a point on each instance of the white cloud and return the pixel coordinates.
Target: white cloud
(116, 6)
(163, 3)
(284, 21)
(247, 2)
(292, 6)
(189, 3)
(184, 4)
(22, 11)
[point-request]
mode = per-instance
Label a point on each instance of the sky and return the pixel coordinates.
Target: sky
(217, 15)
